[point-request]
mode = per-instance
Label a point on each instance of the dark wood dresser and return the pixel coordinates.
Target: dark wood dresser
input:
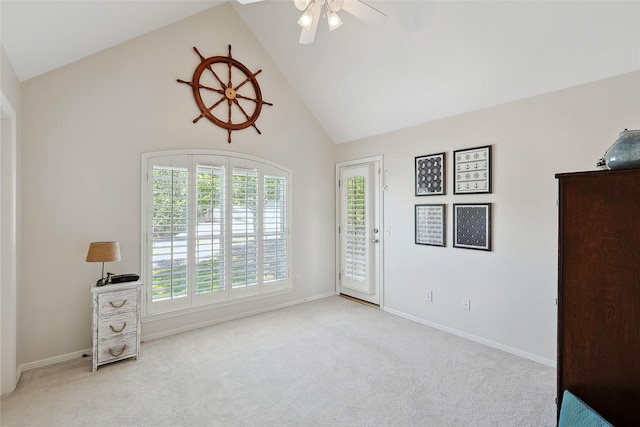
(599, 292)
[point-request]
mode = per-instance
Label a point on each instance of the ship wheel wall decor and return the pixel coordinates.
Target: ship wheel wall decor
(220, 98)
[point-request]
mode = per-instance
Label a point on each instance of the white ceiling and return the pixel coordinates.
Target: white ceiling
(428, 61)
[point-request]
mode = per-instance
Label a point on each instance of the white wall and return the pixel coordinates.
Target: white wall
(85, 128)
(513, 288)
(9, 80)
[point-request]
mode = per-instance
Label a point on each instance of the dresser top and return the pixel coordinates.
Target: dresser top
(598, 172)
(112, 287)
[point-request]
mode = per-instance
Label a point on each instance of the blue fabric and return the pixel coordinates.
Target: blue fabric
(575, 413)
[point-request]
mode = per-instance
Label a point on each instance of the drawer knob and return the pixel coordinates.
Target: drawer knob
(118, 330)
(124, 347)
(117, 306)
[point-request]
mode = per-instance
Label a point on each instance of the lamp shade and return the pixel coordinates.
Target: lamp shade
(103, 252)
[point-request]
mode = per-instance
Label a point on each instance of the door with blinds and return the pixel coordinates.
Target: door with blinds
(358, 230)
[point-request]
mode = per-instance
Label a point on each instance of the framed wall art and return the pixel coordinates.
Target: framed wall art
(472, 170)
(430, 175)
(472, 226)
(430, 222)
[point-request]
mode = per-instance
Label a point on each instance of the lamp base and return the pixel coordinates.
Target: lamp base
(104, 281)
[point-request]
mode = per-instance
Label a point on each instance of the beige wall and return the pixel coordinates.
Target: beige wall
(86, 125)
(85, 128)
(513, 288)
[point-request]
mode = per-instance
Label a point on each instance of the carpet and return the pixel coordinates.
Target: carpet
(330, 362)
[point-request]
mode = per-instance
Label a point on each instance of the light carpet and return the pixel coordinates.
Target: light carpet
(330, 362)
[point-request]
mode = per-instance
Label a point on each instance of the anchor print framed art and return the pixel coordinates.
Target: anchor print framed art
(472, 170)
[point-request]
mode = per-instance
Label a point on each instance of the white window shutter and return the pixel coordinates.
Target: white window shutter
(218, 228)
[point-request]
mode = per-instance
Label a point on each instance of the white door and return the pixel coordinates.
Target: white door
(359, 234)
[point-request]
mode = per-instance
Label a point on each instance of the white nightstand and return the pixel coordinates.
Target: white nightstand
(116, 322)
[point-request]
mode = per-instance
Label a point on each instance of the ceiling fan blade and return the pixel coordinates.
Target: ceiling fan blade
(248, 1)
(364, 12)
(307, 36)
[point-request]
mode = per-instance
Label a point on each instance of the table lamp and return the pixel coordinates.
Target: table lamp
(103, 252)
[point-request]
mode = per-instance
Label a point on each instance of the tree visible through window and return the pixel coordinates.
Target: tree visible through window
(356, 232)
(217, 229)
(170, 186)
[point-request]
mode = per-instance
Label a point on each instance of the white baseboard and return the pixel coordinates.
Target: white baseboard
(50, 361)
(194, 326)
(497, 345)
(77, 354)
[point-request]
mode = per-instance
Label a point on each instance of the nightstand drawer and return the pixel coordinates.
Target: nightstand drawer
(118, 301)
(117, 324)
(117, 348)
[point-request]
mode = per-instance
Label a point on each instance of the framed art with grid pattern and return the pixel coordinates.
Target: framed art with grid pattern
(430, 225)
(472, 226)
(430, 174)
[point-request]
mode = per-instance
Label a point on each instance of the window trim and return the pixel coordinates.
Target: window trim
(232, 159)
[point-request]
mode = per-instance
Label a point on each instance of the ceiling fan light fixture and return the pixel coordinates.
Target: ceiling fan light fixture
(335, 5)
(306, 19)
(334, 21)
(301, 4)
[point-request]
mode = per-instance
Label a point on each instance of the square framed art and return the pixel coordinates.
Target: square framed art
(430, 225)
(472, 226)
(430, 174)
(472, 170)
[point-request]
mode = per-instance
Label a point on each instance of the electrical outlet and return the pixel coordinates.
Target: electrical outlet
(298, 280)
(466, 305)
(428, 295)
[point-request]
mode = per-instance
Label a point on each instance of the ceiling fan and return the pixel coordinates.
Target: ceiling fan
(314, 9)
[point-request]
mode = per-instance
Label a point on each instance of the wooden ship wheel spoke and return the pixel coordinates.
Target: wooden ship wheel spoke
(204, 81)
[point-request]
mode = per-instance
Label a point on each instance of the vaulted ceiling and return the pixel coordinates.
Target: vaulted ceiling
(431, 59)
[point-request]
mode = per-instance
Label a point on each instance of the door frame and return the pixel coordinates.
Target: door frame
(378, 213)
(9, 248)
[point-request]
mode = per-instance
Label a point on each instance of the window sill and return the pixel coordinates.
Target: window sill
(152, 317)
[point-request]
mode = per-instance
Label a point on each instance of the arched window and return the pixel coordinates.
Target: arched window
(216, 229)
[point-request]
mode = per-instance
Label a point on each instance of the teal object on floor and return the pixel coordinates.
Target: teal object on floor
(575, 413)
